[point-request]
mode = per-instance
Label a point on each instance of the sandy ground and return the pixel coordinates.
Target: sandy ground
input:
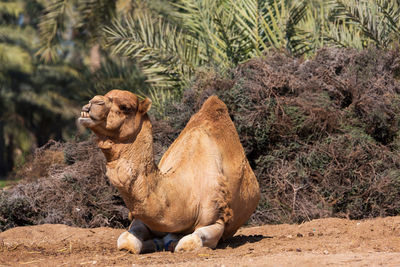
(324, 242)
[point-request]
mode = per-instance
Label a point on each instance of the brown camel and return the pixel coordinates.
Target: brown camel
(203, 189)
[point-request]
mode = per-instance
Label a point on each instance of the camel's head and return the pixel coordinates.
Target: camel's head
(116, 115)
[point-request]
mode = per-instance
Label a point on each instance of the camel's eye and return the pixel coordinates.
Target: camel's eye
(124, 108)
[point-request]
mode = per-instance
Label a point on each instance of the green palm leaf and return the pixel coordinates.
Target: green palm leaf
(50, 25)
(165, 54)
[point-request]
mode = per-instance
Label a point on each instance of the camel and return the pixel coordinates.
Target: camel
(203, 189)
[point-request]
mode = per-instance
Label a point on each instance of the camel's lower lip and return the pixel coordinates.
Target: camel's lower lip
(86, 121)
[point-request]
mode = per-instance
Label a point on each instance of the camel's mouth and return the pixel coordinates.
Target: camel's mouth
(87, 120)
(85, 114)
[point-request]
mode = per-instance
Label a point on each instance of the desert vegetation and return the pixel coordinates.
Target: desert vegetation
(313, 90)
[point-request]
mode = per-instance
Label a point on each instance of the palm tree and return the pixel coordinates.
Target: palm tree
(34, 98)
(15, 64)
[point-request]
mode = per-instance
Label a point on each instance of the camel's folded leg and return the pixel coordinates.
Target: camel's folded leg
(207, 236)
(138, 239)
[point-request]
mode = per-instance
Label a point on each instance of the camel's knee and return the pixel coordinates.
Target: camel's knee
(129, 242)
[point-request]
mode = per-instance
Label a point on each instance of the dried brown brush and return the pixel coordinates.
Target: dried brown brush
(322, 134)
(76, 193)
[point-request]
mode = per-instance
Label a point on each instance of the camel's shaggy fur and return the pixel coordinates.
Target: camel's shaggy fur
(203, 188)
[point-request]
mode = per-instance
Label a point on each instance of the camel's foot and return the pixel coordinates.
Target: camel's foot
(189, 243)
(129, 242)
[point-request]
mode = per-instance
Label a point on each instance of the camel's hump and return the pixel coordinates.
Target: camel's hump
(213, 115)
(213, 108)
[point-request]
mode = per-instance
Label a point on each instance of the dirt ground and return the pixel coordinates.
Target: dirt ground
(324, 242)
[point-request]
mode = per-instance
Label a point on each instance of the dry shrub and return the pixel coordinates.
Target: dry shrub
(75, 193)
(42, 162)
(320, 134)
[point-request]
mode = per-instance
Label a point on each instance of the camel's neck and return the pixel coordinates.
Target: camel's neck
(131, 167)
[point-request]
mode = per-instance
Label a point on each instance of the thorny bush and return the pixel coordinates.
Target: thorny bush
(322, 135)
(75, 193)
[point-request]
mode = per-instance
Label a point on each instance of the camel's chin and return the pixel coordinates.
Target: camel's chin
(87, 122)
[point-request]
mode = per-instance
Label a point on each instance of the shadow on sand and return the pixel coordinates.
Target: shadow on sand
(240, 240)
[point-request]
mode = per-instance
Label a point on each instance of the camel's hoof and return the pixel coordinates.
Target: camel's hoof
(129, 242)
(189, 243)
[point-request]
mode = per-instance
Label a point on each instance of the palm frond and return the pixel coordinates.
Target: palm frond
(15, 35)
(52, 102)
(344, 34)
(12, 8)
(165, 54)
(375, 18)
(391, 12)
(65, 19)
(93, 14)
(161, 99)
(49, 28)
(15, 58)
(267, 24)
(113, 73)
(295, 40)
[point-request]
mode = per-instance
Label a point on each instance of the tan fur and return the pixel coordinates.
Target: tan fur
(203, 183)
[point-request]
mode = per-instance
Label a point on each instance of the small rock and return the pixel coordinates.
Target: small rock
(298, 249)
(310, 234)
(299, 235)
(289, 236)
(326, 252)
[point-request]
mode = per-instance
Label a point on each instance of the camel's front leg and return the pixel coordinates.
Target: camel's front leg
(207, 236)
(138, 239)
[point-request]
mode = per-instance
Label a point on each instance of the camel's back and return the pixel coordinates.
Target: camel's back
(219, 137)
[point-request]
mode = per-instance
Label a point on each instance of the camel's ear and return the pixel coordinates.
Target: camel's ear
(144, 105)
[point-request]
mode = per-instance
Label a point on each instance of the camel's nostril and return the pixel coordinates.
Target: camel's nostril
(86, 108)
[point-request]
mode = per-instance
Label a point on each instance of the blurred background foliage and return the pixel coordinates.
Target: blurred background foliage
(56, 54)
